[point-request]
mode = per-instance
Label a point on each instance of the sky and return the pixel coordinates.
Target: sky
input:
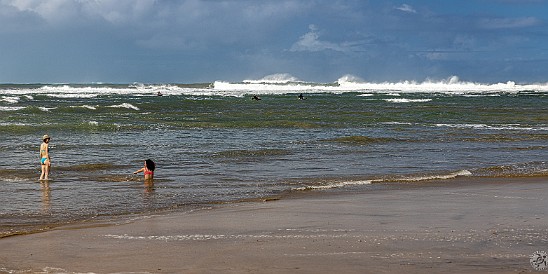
(197, 41)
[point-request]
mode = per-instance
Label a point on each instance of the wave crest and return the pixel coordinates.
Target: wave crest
(125, 105)
(284, 84)
(278, 78)
(349, 78)
(402, 179)
(280, 83)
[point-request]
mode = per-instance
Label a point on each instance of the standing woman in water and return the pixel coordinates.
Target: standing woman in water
(44, 158)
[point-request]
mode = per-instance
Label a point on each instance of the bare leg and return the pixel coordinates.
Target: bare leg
(47, 166)
(43, 172)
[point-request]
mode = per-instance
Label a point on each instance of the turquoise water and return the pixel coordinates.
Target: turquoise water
(212, 143)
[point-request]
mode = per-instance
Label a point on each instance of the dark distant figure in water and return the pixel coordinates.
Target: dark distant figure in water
(256, 98)
(301, 97)
(148, 169)
(160, 93)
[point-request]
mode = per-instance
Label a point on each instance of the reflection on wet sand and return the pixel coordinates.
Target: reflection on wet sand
(149, 199)
(149, 186)
(46, 196)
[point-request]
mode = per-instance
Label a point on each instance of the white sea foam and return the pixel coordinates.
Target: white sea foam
(492, 127)
(403, 100)
(481, 95)
(264, 88)
(11, 108)
(45, 108)
(80, 92)
(279, 78)
(72, 95)
(282, 83)
(14, 124)
(125, 105)
(85, 106)
(395, 123)
(348, 83)
(89, 107)
(452, 84)
(45, 270)
(210, 237)
(435, 177)
(402, 179)
(335, 185)
(10, 99)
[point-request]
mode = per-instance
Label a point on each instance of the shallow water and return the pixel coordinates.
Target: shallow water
(213, 145)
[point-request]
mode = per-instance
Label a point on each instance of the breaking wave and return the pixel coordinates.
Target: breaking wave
(279, 78)
(125, 105)
(333, 185)
(518, 170)
(402, 100)
(349, 83)
(402, 179)
(281, 83)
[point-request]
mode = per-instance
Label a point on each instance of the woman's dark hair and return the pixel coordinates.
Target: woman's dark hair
(150, 165)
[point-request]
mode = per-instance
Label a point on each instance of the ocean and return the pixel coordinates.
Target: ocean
(213, 144)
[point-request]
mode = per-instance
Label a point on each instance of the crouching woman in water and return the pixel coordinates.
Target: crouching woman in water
(148, 169)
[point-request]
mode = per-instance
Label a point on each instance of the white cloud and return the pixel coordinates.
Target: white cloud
(464, 42)
(119, 12)
(154, 12)
(12, 20)
(276, 9)
(157, 24)
(311, 42)
(406, 8)
(509, 23)
(52, 11)
(437, 56)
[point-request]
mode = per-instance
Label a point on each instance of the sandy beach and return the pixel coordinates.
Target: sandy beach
(480, 226)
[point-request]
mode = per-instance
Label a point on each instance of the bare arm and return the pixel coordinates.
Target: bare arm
(140, 170)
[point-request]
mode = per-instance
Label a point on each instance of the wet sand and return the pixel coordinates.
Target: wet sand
(480, 226)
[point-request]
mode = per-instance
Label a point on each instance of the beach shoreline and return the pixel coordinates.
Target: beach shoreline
(471, 225)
